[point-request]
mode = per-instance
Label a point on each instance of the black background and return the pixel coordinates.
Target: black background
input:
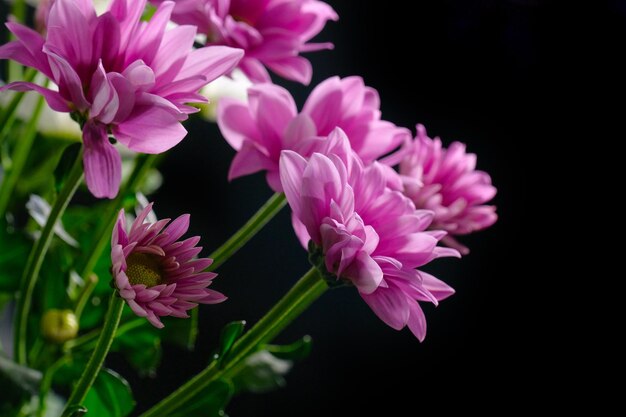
(472, 71)
(495, 74)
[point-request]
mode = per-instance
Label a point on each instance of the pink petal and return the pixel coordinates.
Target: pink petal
(390, 305)
(70, 35)
(176, 229)
(294, 68)
(324, 105)
(439, 289)
(248, 160)
(254, 70)
(235, 122)
(53, 98)
(150, 130)
(417, 321)
(102, 162)
(105, 102)
(67, 79)
(211, 62)
(28, 50)
(292, 168)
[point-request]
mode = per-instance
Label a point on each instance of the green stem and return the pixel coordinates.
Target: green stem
(248, 230)
(308, 289)
(37, 255)
(86, 341)
(18, 10)
(20, 155)
(143, 164)
(9, 114)
(85, 294)
(46, 383)
(111, 321)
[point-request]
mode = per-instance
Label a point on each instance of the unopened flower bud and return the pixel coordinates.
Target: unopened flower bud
(59, 326)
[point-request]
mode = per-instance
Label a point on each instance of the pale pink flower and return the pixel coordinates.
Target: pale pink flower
(270, 123)
(273, 33)
(446, 182)
(155, 272)
(120, 75)
(369, 234)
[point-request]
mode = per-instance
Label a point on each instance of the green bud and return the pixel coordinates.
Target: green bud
(59, 326)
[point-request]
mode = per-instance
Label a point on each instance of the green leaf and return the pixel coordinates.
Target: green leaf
(209, 403)
(65, 164)
(181, 332)
(263, 372)
(296, 351)
(230, 333)
(141, 347)
(14, 250)
(77, 410)
(110, 396)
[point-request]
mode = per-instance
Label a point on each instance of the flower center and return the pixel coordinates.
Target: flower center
(144, 268)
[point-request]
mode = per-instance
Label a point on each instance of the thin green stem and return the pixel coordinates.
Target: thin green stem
(37, 255)
(86, 341)
(143, 164)
(308, 289)
(248, 230)
(20, 155)
(46, 383)
(111, 321)
(85, 294)
(18, 12)
(9, 114)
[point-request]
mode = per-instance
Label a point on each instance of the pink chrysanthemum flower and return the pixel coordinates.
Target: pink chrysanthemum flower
(118, 74)
(270, 123)
(272, 32)
(368, 234)
(446, 182)
(155, 272)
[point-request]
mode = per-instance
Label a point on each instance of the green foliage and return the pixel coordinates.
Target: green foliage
(141, 347)
(110, 396)
(14, 249)
(230, 334)
(181, 332)
(296, 351)
(262, 372)
(69, 155)
(209, 403)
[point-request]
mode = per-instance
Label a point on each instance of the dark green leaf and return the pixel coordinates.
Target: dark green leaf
(296, 351)
(110, 396)
(209, 403)
(77, 410)
(65, 164)
(263, 372)
(14, 249)
(230, 333)
(141, 347)
(181, 332)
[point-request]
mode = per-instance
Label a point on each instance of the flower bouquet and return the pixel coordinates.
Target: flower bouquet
(86, 266)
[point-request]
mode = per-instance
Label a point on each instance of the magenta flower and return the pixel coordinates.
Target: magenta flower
(272, 32)
(369, 235)
(118, 74)
(446, 182)
(269, 123)
(155, 272)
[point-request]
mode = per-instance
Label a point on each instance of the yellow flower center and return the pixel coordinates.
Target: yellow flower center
(144, 268)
